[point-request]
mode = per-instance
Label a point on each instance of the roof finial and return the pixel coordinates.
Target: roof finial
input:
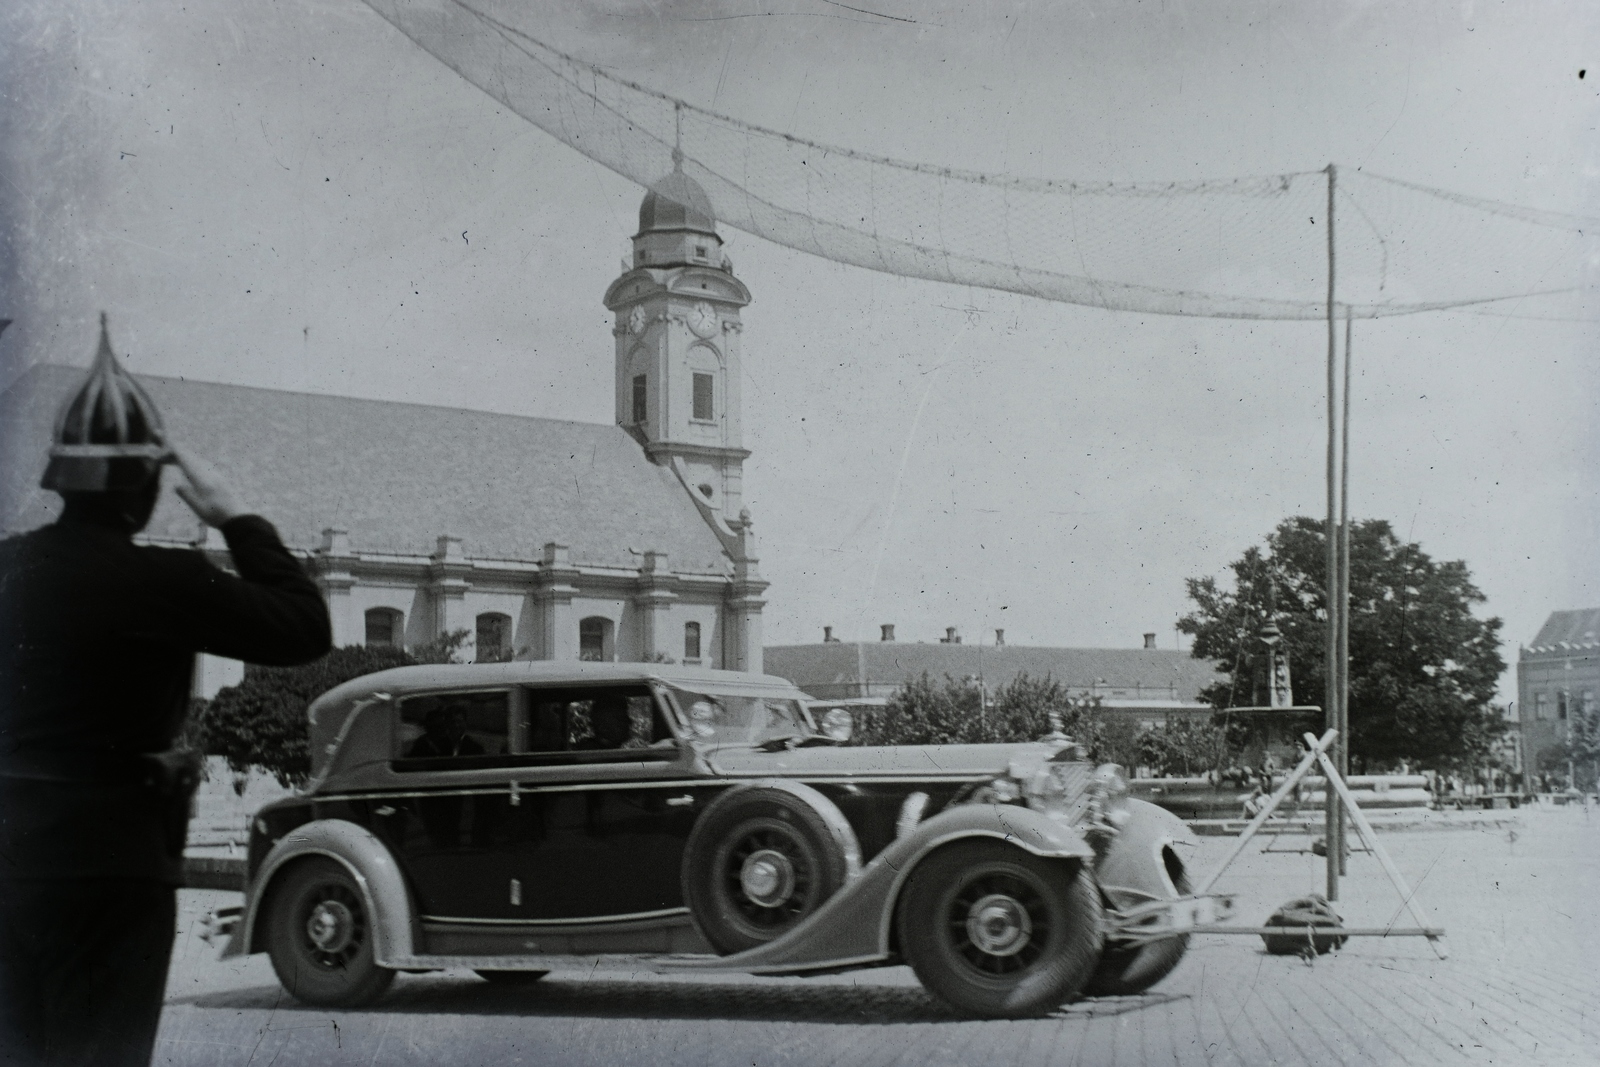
(104, 352)
(677, 135)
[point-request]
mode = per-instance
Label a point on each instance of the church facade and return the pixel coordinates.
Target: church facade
(540, 538)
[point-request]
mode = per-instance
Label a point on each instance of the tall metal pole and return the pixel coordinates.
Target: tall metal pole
(1330, 687)
(1342, 752)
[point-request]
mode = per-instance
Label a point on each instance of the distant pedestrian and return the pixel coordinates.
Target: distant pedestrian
(97, 643)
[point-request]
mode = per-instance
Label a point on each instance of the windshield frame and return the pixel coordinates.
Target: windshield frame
(681, 698)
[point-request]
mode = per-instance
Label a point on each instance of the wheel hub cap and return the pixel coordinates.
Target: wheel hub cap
(999, 925)
(767, 877)
(330, 926)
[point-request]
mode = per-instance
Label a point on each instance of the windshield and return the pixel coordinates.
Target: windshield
(732, 720)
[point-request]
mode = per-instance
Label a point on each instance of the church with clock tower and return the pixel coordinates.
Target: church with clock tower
(677, 336)
(540, 538)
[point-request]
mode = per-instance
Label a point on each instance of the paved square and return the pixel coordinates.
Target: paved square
(1521, 986)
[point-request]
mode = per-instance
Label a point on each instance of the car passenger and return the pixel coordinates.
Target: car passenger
(446, 735)
(612, 725)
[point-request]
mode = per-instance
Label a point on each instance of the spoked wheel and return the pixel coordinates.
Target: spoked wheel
(756, 866)
(1125, 971)
(996, 931)
(319, 936)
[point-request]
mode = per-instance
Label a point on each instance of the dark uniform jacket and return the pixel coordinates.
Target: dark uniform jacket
(97, 644)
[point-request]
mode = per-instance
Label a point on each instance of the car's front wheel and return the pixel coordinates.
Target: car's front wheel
(319, 936)
(996, 931)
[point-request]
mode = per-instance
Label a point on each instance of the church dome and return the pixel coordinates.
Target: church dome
(676, 202)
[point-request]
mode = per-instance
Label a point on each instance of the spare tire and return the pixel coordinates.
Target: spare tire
(760, 859)
(1125, 970)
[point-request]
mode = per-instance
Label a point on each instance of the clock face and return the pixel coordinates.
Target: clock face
(703, 320)
(636, 320)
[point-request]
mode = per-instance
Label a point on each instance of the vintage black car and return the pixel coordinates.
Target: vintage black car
(521, 817)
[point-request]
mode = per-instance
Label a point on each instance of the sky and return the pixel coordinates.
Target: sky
(291, 194)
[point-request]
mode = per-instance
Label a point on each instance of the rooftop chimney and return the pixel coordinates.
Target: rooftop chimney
(1149, 640)
(950, 636)
(888, 632)
(999, 638)
(827, 635)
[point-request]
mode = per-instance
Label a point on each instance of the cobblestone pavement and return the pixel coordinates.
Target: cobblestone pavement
(1520, 986)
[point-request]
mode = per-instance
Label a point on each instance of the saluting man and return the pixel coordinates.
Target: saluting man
(97, 643)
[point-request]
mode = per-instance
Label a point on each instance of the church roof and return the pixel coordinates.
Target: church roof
(817, 667)
(677, 202)
(396, 476)
(1568, 631)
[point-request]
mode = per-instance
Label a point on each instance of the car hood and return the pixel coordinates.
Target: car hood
(910, 762)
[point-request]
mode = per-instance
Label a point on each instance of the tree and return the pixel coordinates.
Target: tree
(925, 712)
(1184, 748)
(1423, 668)
(261, 722)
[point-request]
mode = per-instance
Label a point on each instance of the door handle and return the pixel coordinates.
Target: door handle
(680, 802)
(385, 810)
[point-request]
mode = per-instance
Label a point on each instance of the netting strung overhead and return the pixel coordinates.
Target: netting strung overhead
(1251, 248)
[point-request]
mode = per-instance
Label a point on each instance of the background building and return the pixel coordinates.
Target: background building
(1558, 677)
(542, 538)
(1148, 685)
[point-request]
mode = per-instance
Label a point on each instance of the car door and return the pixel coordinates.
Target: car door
(596, 831)
(448, 826)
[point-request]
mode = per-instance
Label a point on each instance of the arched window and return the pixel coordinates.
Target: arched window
(596, 641)
(493, 637)
(691, 641)
(705, 388)
(385, 628)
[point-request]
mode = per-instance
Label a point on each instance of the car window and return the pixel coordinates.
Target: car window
(725, 719)
(452, 725)
(591, 720)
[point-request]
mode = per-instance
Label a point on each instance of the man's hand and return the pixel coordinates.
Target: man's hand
(206, 494)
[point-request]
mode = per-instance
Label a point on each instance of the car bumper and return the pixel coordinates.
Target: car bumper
(1160, 919)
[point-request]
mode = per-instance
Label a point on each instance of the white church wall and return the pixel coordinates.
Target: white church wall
(213, 673)
(528, 629)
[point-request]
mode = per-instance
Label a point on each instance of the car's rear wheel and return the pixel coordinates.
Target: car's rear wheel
(1126, 971)
(996, 931)
(757, 863)
(319, 936)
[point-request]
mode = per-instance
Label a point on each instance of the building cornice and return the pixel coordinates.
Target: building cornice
(659, 449)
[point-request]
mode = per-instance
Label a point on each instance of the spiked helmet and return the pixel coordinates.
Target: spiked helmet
(108, 434)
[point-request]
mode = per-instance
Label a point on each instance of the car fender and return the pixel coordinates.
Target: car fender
(1133, 869)
(371, 865)
(855, 926)
(839, 828)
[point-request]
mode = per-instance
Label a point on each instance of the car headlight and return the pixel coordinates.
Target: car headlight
(702, 718)
(838, 724)
(1107, 791)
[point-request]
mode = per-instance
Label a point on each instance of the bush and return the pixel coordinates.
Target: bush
(925, 712)
(1184, 748)
(261, 722)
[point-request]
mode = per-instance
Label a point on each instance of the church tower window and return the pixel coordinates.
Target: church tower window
(704, 410)
(691, 641)
(641, 400)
